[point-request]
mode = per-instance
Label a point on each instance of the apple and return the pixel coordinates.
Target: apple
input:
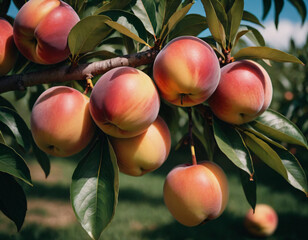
(41, 30)
(145, 152)
(263, 222)
(8, 51)
(244, 92)
(195, 194)
(186, 71)
(61, 123)
(124, 102)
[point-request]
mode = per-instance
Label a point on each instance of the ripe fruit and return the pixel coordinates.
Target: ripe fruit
(186, 71)
(41, 29)
(143, 153)
(124, 102)
(263, 222)
(8, 51)
(244, 92)
(61, 124)
(195, 194)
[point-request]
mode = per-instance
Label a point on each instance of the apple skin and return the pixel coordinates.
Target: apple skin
(263, 222)
(61, 123)
(195, 194)
(124, 102)
(186, 71)
(8, 51)
(145, 152)
(41, 29)
(245, 91)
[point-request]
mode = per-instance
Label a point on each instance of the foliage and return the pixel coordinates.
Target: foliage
(114, 28)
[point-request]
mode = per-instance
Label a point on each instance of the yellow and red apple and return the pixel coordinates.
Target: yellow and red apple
(124, 102)
(244, 92)
(8, 51)
(145, 152)
(261, 223)
(41, 30)
(61, 123)
(195, 194)
(186, 71)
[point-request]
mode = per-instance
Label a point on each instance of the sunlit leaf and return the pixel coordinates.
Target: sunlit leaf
(215, 26)
(278, 127)
(94, 188)
(12, 163)
(13, 201)
(235, 17)
(114, 4)
(266, 53)
(145, 11)
(265, 153)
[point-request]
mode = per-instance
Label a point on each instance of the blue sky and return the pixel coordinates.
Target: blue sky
(289, 25)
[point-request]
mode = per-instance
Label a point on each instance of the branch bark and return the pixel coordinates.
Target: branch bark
(69, 73)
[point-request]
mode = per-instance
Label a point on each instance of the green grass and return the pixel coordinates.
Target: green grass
(141, 213)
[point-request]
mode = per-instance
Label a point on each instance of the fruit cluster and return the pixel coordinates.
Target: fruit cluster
(125, 104)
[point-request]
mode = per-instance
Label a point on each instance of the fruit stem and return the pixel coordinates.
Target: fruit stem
(192, 146)
(89, 84)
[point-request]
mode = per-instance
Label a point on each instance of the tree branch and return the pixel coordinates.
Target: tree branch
(79, 72)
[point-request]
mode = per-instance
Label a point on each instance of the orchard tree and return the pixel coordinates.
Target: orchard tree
(110, 78)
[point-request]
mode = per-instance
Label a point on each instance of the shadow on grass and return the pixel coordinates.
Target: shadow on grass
(51, 192)
(291, 227)
(135, 196)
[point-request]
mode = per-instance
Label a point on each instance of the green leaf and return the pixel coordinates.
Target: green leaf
(166, 9)
(2, 140)
(174, 19)
(112, 5)
(94, 188)
(295, 173)
(265, 153)
(266, 8)
(278, 8)
(215, 26)
(5, 103)
(42, 158)
(248, 16)
(12, 163)
(87, 34)
(276, 126)
(127, 24)
(239, 34)
(230, 142)
(13, 202)
(255, 36)
(145, 11)
(300, 7)
(120, 28)
(17, 126)
(250, 188)
(235, 17)
(190, 25)
(266, 53)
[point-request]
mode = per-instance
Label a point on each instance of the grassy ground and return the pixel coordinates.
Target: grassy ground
(141, 213)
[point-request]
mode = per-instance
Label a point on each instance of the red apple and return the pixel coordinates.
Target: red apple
(263, 222)
(145, 152)
(244, 92)
(61, 124)
(195, 194)
(41, 30)
(186, 71)
(8, 51)
(124, 102)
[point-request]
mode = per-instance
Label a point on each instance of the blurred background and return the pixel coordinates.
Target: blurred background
(141, 213)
